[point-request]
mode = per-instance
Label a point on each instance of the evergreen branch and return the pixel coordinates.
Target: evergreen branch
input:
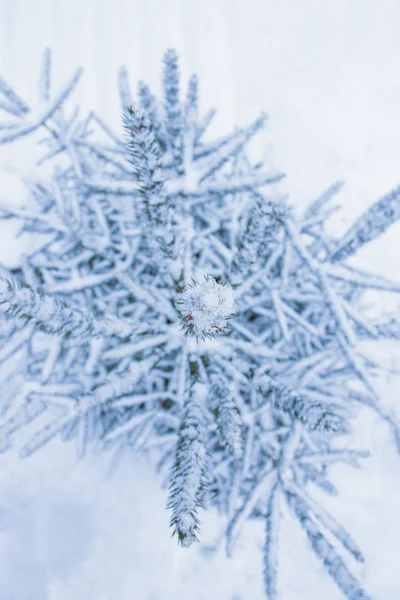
(172, 106)
(124, 89)
(35, 121)
(47, 433)
(333, 301)
(265, 481)
(18, 106)
(361, 278)
(135, 421)
(117, 385)
(246, 286)
(314, 415)
(226, 413)
(190, 119)
(232, 148)
(180, 187)
(150, 104)
(333, 563)
(54, 316)
(258, 239)
(44, 83)
(188, 478)
(204, 123)
(321, 515)
(318, 204)
(18, 339)
(389, 329)
(147, 100)
(144, 155)
(349, 456)
(245, 183)
(130, 349)
(271, 547)
(375, 221)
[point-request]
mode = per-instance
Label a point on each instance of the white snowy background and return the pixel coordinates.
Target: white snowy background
(328, 74)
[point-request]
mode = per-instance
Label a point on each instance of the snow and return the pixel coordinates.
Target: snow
(327, 72)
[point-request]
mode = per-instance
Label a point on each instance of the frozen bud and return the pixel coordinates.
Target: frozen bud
(206, 307)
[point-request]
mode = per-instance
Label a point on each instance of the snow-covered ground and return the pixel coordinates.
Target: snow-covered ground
(327, 73)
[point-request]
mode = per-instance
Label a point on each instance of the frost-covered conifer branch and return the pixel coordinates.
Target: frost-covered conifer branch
(189, 477)
(172, 105)
(315, 207)
(324, 518)
(29, 120)
(190, 119)
(231, 147)
(259, 238)
(149, 103)
(54, 316)
(372, 223)
(124, 89)
(332, 299)
(118, 384)
(271, 547)
(264, 482)
(326, 552)
(144, 155)
(315, 416)
(13, 103)
(227, 415)
(349, 456)
(361, 278)
(79, 406)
